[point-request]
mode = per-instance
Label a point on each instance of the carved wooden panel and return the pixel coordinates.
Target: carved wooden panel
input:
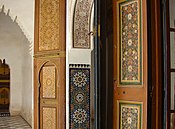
(49, 87)
(49, 91)
(82, 23)
(130, 42)
(49, 62)
(49, 25)
(49, 118)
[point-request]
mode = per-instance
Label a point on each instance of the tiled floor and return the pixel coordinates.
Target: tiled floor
(13, 122)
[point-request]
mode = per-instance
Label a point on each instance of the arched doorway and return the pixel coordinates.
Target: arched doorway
(4, 88)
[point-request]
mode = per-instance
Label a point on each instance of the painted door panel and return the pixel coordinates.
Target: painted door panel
(130, 64)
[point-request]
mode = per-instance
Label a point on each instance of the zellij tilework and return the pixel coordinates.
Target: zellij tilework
(79, 94)
(130, 42)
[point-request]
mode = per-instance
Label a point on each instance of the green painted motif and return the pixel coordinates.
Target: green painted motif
(130, 115)
(130, 42)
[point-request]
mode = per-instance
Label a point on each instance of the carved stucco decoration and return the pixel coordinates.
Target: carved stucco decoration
(49, 25)
(81, 31)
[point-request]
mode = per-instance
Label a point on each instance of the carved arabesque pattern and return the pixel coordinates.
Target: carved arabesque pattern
(49, 118)
(82, 24)
(49, 90)
(49, 25)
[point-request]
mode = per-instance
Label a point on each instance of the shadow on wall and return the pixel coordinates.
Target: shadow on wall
(16, 49)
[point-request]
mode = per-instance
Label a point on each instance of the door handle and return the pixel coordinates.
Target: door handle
(92, 33)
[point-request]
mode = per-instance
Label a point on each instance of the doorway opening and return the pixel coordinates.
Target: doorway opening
(106, 64)
(4, 88)
(16, 50)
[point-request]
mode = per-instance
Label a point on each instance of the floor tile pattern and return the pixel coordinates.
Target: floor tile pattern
(13, 122)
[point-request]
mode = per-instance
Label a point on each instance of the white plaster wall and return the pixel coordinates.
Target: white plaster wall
(14, 47)
(27, 83)
(10, 49)
(24, 10)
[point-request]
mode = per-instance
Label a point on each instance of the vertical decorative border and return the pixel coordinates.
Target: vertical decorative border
(79, 96)
(81, 26)
(130, 114)
(130, 42)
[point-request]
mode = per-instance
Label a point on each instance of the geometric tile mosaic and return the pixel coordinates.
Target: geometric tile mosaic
(130, 44)
(130, 115)
(79, 98)
(81, 28)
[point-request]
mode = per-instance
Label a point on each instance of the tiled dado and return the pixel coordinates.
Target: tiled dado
(130, 42)
(81, 30)
(79, 96)
(130, 114)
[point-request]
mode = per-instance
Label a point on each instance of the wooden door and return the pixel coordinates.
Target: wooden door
(130, 64)
(49, 64)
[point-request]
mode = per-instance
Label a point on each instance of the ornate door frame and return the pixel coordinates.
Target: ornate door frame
(49, 64)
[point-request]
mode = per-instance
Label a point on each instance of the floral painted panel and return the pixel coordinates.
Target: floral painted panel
(130, 42)
(79, 98)
(130, 115)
